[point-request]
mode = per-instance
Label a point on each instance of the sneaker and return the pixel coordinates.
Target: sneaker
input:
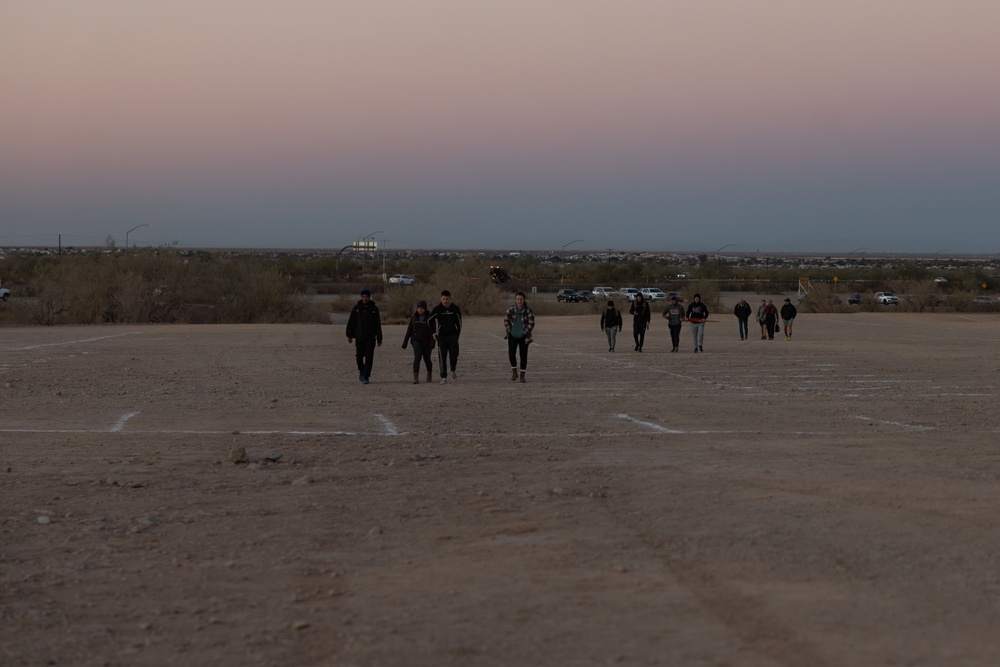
(763, 337)
(361, 378)
(701, 349)
(696, 350)
(453, 377)
(444, 380)
(364, 380)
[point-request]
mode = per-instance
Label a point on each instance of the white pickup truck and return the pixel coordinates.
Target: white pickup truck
(4, 293)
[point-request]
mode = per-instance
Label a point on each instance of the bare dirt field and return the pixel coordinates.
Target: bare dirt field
(831, 500)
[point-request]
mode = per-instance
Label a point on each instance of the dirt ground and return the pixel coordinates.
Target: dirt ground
(830, 500)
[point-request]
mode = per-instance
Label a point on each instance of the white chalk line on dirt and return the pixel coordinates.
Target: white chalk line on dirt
(75, 342)
(120, 424)
(390, 428)
(887, 422)
(651, 425)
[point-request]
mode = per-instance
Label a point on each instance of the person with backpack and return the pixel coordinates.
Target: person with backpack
(770, 318)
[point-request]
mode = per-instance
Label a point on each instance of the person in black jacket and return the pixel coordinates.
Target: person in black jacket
(788, 313)
(364, 329)
(446, 323)
(697, 313)
(419, 332)
(742, 311)
(639, 310)
(611, 324)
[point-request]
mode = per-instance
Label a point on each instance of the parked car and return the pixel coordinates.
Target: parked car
(983, 299)
(604, 292)
(854, 299)
(940, 280)
(567, 296)
(400, 279)
(4, 293)
(886, 298)
(628, 292)
(653, 294)
(585, 296)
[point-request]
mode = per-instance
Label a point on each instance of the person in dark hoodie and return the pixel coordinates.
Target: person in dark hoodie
(364, 329)
(639, 310)
(611, 324)
(697, 313)
(418, 331)
(742, 311)
(446, 323)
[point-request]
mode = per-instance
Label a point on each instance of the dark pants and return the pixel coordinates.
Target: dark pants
(447, 352)
(639, 334)
(771, 325)
(364, 354)
(675, 334)
(421, 353)
(513, 346)
(744, 326)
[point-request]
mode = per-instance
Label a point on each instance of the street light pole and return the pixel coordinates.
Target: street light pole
(571, 243)
(364, 243)
(132, 230)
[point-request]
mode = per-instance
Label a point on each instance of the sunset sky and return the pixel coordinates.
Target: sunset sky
(783, 125)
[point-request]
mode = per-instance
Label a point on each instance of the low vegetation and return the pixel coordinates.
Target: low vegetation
(168, 285)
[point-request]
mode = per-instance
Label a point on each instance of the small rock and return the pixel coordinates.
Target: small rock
(238, 454)
(302, 481)
(300, 625)
(44, 519)
(272, 455)
(376, 530)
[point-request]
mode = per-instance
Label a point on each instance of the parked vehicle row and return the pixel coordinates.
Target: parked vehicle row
(604, 293)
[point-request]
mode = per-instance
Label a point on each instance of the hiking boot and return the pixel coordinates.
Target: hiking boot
(430, 375)
(416, 377)
(513, 374)
(522, 377)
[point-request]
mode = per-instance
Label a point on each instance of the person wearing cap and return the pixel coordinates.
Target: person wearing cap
(364, 329)
(611, 324)
(697, 313)
(742, 311)
(446, 323)
(770, 318)
(674, 315)
(788, 313)
(519, 322)
(418, 331)
(639, 310)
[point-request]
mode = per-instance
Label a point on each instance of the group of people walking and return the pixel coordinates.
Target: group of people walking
(767, 318)
(441, 327)
(675, 314)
